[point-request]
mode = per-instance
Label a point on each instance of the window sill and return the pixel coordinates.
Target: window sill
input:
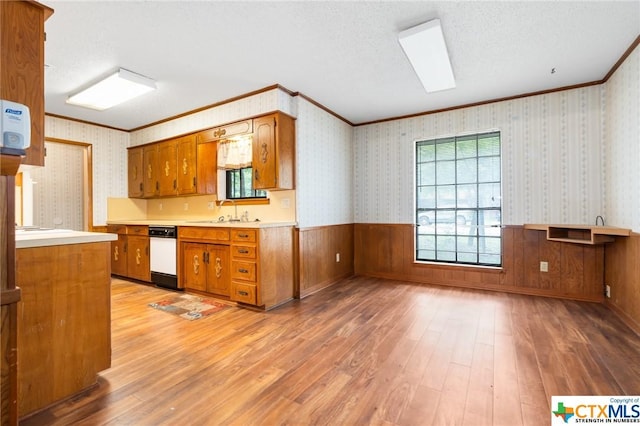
(460, 266)
(243, 201)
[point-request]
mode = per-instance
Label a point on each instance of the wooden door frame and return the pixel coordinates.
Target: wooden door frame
(87, 184)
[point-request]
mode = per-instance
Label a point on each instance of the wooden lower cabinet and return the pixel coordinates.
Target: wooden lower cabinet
(250, 266)
(130, 255)
(206, 268)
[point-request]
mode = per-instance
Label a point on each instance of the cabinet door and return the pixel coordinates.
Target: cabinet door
(194, 267)
(119, 256)
(150, 178)
(218, 277)
(138, 266)
(167, 173)
(207, 168)
(135, 172)
(264, 153)
(186, 167)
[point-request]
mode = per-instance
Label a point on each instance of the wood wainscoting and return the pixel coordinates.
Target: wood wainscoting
(317, 249)
(576, 271)
(622, 273)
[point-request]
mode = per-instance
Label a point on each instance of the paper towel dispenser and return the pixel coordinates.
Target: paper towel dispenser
(15, 128)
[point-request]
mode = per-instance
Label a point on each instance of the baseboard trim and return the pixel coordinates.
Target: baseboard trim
(505, 289)
(326, 284)
(629, 322)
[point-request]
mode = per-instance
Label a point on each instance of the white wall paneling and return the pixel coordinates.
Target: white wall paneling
(551, 158)
(324, 171)
(109, 159)
(621, 150)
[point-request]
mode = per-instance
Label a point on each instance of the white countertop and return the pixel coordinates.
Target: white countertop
(58, 237)
(203, 222)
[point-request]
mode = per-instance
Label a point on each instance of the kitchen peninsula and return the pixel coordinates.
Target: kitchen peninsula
(64, 326)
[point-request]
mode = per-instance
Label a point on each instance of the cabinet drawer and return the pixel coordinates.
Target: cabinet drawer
(242, 292)
(137, 230)
(243, 270)
(209, 234)
(117, 229)
(247, 235)
(248, 252)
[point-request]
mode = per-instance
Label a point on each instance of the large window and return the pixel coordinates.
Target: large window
(239, 184)
(458, 200)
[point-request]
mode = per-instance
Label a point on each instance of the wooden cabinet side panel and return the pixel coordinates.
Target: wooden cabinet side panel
(276, 266)
(286, 143)
(64, 327)
(22, 66)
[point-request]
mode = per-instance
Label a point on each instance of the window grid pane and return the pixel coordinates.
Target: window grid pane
(458, 200)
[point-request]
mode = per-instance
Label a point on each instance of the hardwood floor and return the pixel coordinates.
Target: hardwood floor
(364, 351)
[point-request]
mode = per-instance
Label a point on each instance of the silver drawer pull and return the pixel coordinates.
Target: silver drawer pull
(243, 235)
(243, 271)
(243, 293)
(243, 251)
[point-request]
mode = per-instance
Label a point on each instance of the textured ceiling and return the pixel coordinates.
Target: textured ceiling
(344, 55)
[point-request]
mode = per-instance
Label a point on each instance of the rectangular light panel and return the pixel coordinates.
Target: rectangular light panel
(425, 47)
(117, 88)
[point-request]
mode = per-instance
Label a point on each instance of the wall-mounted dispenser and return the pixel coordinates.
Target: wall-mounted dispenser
(15, 128)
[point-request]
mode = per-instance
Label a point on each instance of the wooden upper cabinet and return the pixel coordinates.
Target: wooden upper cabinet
(150, 171)
(22, 65)
(186, 165)
(273, 152)
(166, 171)
(135, 172)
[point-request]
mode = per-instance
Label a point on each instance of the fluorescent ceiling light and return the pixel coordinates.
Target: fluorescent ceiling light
(117, 88)
(425, 47)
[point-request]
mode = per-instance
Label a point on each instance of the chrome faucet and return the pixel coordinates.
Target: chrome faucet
(235, 218)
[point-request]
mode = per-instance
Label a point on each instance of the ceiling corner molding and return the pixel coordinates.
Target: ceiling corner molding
(623, 58)
(613, 69)
(322, 107)
(490, 101)
(48, 114)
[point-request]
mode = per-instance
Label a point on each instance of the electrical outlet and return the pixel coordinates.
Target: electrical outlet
(607, 291)
(160, 206)
(337, 257)
(285, 203)
(186, 206)
(544, 266)
(211, 205)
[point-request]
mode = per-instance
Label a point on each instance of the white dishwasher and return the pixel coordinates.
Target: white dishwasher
(163, 247)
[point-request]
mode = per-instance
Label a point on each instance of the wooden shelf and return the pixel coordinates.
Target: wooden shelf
(580, 234)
